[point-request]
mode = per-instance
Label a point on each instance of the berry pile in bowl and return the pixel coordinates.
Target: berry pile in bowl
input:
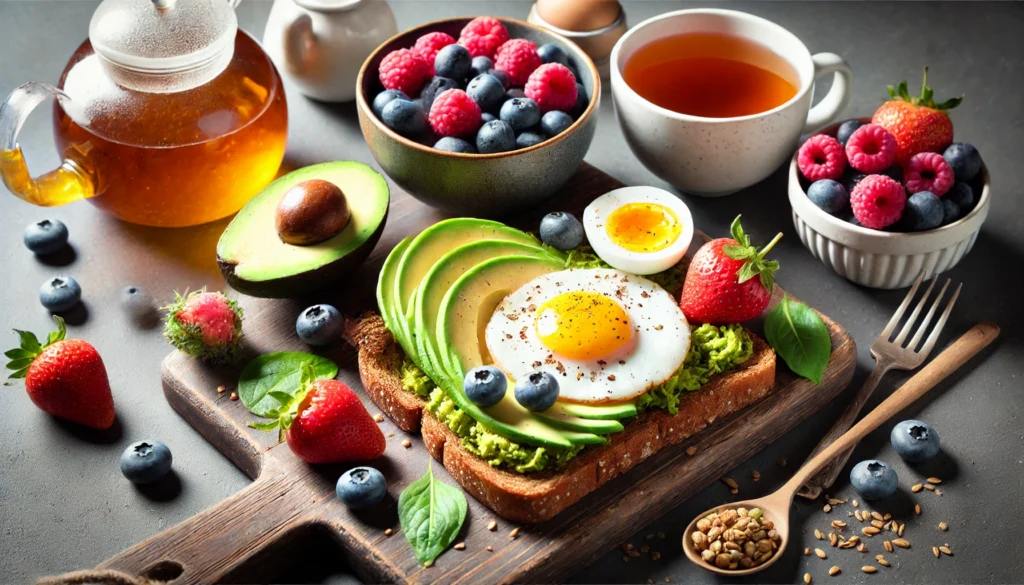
(881, 199)
(480, 116)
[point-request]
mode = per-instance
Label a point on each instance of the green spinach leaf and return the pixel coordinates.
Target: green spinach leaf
(431, 514)
(799, 336)
(266, 379)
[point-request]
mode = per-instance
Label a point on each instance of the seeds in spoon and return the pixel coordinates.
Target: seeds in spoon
(733, 539)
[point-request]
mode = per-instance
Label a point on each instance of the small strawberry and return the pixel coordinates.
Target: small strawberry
(917, 123)
(325, 422)
(207, 325)
(720, 286)
(64, 378)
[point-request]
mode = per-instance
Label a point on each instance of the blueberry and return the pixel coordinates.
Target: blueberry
(550, 53)
(581, 101)
(486, 117)
(501, 76)
(963, 195)
(360, 488)
(873, 479)
(520, 113)
(60, 293)
(485, 386)
(319, 325)
(561, 230)
(528, 139)
(495, 136)
(404, 117)
(515, 92)
(554, 123)
(46, 236)
(851, 177)
(537, 391)
(487, 92)
(852, 219)
(846, 130)
(138, 303)
(386, 97)
(145, 461)
(829, 195)
(950, 211)
(574, 69)
(964, 159)
(435, 87)
(923, 212)
(915, 441)
(480, 65)
(452, 144)
(453, 62)
(895, 172)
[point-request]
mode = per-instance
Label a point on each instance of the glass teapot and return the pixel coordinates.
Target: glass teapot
(168, 115)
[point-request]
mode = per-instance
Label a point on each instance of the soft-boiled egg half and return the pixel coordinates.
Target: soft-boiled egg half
(605, 335)
(642, 230)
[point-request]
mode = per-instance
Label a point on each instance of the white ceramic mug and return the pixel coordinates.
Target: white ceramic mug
(719, 156)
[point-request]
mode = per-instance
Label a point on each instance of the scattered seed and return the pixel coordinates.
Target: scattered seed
(856, 514)
(221, 389)
(645, 549)
(834, 571)
(938, 492)
(838, 524)
(661, 535)
(818, 534)
(934, 480)
(378, 417)
(869, 569)
(832, 538)
(691, 450)
(835, 502)
(929, 487)
(807, 578)
(490, 548)
(407, 443)
(945, 550)
(730, 482)
(887, 517)
(935, 551)
(821, 554)
(869, 531)
(855, 503)
(902, 527)
(917, 509)
(756, 475)
(389, 435)
(943, 526)
(881, 561)
(633, 554)
(514, 533)
(626, 547)
(862, 548)
(888, 546)
(902, 543)
(916, 488)
(850, 514)
(388, 532)
(827, 508)
(807, 552)
(782, 462)
(460, 546)
(650, 581)
(492, 526)
(877, 516)
(667, 580)
(649, 536)
(234, 396)
(734, 491)
(878, 524)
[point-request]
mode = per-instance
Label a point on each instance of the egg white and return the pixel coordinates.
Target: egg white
(661, 336)
(595, 217)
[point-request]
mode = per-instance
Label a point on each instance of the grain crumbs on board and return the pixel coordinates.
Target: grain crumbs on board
(916, 488)
(821, 554)
(945, 550)
(881, 561)
(818, 534)
(935, 550)
(869, 569)
(221, 389)
(934, 480)
(234, 396)
(655, 555)
(862, 548)
(378, 417)
(832, 539)
(943, 526)
(389, 435)
(888, 546)
(492, 526)
(917, 509)
(929, 487)
(691, 450)
(755, 475)
(730, 482)
(877, 516)
(407, 443)
(855, 503)
(514, 533)
(807, 578)
(902, 543)
(807, 552)
(490, 548)
(827, 508)
(835, 570)
(460, 546)
(388, 532)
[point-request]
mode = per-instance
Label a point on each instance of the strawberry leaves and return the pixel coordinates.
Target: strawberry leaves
(926, 99)
(269, 381)
(284, 415)
(754, 263)
(23, 356)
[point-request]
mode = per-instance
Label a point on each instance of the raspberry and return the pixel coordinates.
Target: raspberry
(928, 171)
(821, 157)
(553, 87)
(454, 113)
(482, 36)
(519, 59)
(871, 149)
(878, 201)
(428, 45)
(403, 70)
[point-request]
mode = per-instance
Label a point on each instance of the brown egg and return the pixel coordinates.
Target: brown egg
(311, 212)
(578, 15)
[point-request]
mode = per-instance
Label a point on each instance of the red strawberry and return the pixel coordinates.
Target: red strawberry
(325, 422)
(64, 378)
(720, 286)
(207, 325)
(917, 123)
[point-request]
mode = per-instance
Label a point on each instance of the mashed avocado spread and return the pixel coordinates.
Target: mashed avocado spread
(414, 380)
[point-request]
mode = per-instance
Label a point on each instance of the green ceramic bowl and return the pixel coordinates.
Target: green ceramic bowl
(481, 185)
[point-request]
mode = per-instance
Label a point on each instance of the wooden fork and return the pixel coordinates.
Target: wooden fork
(888, 355)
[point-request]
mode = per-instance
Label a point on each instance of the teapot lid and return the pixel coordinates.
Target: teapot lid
(164, 46)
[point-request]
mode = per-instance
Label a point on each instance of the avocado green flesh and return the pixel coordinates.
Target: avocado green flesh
(599, 412)
(251, 244)
(431, 290)
(385, 291)
(575, 423)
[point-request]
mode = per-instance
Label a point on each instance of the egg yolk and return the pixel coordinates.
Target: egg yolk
(583, 325)
(643, 227)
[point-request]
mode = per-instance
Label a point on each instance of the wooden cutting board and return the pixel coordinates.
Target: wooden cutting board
(239, 539)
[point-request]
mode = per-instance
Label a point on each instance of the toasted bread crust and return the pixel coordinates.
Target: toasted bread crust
(540, 496)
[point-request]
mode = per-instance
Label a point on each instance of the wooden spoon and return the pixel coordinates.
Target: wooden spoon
(776, 506)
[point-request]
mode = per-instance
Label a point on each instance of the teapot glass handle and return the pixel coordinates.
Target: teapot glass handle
(67, 183)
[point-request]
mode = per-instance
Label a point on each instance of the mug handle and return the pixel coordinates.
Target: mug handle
(838, 96)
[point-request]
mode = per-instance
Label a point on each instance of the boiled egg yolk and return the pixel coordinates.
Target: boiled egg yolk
(643, 227)
(583, 325)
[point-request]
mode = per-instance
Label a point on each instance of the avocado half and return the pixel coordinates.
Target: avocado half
(255, 261)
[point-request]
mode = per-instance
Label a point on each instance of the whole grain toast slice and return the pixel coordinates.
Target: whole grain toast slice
(540, 496)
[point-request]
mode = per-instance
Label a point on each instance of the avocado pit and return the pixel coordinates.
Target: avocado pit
(311, 212)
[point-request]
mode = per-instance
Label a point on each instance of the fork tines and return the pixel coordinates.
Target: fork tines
(921, 328)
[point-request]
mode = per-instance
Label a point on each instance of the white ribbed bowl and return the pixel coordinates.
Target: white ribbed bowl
(879, 259)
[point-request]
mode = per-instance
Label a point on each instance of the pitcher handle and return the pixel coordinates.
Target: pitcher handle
(67, 183)
(838, 96)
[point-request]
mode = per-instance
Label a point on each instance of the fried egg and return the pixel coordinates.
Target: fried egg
(642, 230)
(606, 336)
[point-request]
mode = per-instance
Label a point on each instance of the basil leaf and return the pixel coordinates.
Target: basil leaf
(799, 336)
(431, 514)
(266, 380)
